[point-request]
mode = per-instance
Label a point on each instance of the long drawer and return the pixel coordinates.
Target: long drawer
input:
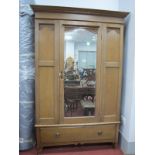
(77, 134)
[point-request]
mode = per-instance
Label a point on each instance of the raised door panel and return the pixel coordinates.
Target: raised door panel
(46, 42)
(111, 93)
(47, 72)
(113, 44)
(111, 71)
(46, 92)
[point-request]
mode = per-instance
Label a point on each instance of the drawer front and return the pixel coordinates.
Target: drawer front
(77, 134)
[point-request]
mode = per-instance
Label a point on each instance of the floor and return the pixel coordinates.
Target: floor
(77, 150)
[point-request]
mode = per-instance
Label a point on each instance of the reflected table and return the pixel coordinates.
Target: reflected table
(76, 94)
(89, 107)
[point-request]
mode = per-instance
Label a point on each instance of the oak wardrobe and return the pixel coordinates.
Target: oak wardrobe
(78, 60)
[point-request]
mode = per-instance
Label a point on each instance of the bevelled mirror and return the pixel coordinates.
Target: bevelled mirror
(80, 45)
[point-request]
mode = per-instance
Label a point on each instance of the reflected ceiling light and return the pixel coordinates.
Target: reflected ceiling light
(82, 29)
(87, 43)
(84, 60)
(79, 29)
(94, 38)
(76, 30)
(67, 37)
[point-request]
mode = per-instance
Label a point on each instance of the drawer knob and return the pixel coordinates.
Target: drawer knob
(57, 134)
(99, 133)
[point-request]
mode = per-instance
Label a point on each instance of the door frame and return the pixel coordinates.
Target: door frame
(83, 119)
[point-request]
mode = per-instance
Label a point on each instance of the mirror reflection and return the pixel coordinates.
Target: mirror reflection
(79, 71)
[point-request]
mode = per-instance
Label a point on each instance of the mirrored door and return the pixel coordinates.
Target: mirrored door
(79, 71)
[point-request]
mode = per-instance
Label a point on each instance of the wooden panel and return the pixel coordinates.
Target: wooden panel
(46, 41)
(113, 44)
(78, 17)
(47, 63)
(46, 94)
(112, 64)
(69, 134)
(111, 71)
(77, 124)
(88, 11)
(47, 71)
(111, 93)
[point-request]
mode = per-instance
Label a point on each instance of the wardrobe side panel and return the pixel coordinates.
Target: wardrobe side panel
(112, 71)
(46, 73)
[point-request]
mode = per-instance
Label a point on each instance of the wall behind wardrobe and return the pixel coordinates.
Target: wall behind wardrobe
(98, 4)
(128, 91)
